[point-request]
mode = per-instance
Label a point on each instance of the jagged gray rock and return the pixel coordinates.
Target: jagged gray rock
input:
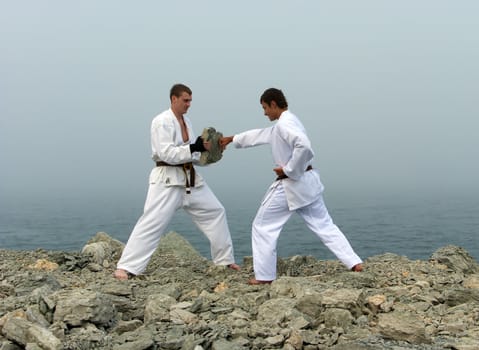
(23, 332)
(79, 306)
(60, 300)
(103, 249)
(456, 258)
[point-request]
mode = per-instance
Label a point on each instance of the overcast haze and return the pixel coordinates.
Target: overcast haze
(387, 90)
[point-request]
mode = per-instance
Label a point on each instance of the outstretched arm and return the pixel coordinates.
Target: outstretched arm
(250, 138)
(225, 141)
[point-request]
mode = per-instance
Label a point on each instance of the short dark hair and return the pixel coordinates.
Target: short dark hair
(275, 95)
(178, 89)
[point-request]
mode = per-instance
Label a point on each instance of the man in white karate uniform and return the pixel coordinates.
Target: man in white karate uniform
(297, 188)
(174, 184)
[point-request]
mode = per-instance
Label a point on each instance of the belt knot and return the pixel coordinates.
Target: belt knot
(186, 167)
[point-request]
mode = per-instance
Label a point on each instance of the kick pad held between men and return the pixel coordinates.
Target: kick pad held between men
(215, 153)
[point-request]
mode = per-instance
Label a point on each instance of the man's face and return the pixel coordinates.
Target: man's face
(270, 111)
(181, 104)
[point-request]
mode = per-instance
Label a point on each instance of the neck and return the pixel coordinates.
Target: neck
(280, 112)
(177, 114)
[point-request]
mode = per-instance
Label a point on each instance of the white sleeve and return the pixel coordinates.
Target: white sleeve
(252, 138)
(163, 143)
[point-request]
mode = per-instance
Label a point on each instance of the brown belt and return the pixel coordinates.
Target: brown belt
(186, 167)
(281, 177)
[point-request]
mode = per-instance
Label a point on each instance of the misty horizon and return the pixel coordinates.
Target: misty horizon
(386, 92)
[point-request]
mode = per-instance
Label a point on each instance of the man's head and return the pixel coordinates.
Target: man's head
(274, 103)
(180, 97)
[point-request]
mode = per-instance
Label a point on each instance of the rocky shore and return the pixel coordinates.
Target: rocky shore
(69, 300)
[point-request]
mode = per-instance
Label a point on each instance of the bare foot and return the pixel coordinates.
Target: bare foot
(357, 268)
(234, 266)
(253, 281)
(121, 275)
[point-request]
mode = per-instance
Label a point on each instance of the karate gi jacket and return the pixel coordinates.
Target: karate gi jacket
(291, 150)
(167, 146)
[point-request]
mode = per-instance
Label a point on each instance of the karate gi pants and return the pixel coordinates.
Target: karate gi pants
(273, 215)
(161, 204)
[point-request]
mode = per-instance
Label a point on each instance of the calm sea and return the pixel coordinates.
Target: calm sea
(411, 226)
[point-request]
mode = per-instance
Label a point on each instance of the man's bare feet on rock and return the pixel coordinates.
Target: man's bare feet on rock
(253, 281)
(234, 266)
(121, 274)
(357, 268)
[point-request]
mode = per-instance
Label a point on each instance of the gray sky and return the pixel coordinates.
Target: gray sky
(387, 90)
